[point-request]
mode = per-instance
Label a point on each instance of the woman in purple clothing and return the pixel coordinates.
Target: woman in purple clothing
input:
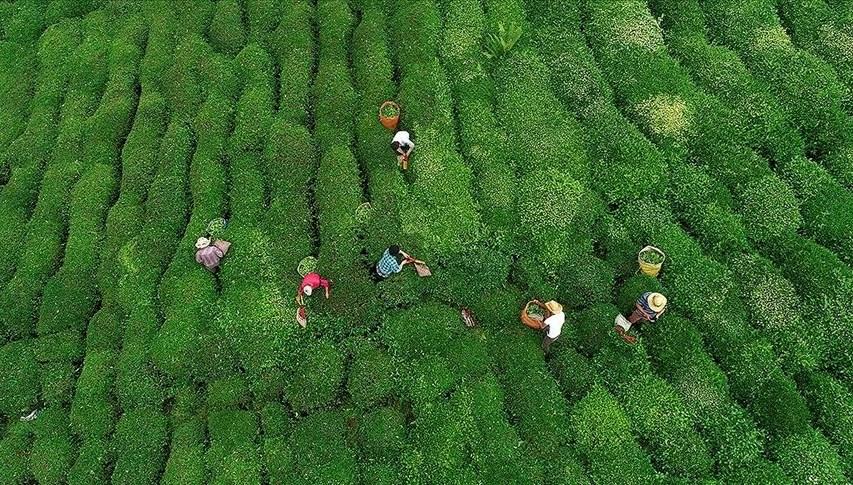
(210, 253)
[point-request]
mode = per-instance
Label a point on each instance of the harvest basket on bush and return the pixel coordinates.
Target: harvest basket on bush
(389, 115)
(651, 260)
(534, 314)
(307, 265)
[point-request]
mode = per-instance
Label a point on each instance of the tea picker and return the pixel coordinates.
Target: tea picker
(548, 317)
(392, 262)
(648, 308)
(402, 145)
(210, 249)
(311, 280)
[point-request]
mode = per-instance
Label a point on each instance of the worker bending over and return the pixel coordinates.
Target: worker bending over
(209, 248)
(648, 308)
(311, 282)
(402, 145)
(552, 325)
(391, 262)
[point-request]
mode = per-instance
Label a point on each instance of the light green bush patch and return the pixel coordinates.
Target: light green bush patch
(772, 37)
(667, 116)
(636, 28)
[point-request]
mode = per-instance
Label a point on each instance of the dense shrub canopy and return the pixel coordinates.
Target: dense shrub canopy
(718, 131)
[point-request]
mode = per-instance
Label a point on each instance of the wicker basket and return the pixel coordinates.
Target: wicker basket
(389, 122)
(531, 320)
(649, 268)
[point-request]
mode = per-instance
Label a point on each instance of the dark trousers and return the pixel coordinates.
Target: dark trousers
(546, 343)
(376, 277)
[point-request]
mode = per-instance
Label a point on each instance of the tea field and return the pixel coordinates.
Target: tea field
(720, 131)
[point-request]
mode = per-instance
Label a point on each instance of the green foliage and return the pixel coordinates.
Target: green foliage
(291, 43)
(831, 404)
(186, 457)
(15, 444)
(315, 376)
(232, 454)
(769, 209)
(574, 372)
(90, 467)
(370, 379)
(497, 44)
(809, 456)
(600, 426)
(381, 434)
(18, 384)
(226, 32)
(323, 454)
(52, 451)
(825, 205)
(806, 86)
(130, 125)
(92, 411)
(140, 445)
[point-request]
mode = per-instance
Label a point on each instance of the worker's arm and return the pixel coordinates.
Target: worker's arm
(407, 258)
(326, 284)
(411, 147)
(299, 299)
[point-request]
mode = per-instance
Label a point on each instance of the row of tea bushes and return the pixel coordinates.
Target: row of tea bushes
(806, 86)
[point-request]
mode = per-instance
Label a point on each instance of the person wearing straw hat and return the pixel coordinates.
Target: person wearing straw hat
(402, 145)
(210, 249)
(648, 308)
(553, 325)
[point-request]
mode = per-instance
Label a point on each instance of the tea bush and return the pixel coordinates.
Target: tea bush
(807, 87)
(699, 127)
(186, 459)
(316, 374)
(483, 142)
(830, 403)
(370, 379)
(291, 43)
(824, 205)
(324, 455)
(20, 388)
(232, 453)
(817, 30)
(809, 456)
(90, 466)
(599, 426)
(140, 443)
(226, 31)
(26, 155)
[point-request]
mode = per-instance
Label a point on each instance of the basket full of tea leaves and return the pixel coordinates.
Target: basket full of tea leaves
(651, 260)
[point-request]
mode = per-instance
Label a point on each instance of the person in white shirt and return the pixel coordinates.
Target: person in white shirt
(402, 145)
(553, 325)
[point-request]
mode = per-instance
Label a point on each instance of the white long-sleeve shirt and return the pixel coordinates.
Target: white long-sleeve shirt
(554, 324)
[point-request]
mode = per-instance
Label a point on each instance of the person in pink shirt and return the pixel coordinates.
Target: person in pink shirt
(209, 253)
(311, 282)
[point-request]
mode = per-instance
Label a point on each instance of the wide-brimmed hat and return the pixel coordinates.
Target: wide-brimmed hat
(554, 307)
(202, 242)
(656, 301)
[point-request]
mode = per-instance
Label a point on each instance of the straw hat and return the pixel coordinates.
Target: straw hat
(554, 307)
(202, 242)
(656, 301)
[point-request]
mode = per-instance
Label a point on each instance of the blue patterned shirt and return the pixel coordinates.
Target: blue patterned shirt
(387, 265)
(643, 304)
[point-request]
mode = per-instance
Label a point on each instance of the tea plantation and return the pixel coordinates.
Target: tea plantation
(720, 131)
